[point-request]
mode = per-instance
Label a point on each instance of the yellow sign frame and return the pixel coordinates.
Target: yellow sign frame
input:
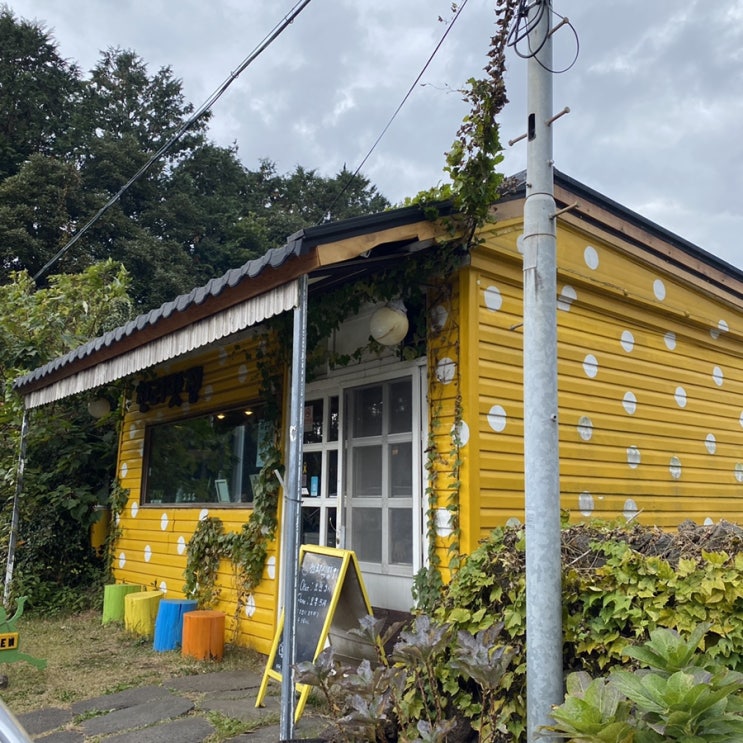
(348, 596)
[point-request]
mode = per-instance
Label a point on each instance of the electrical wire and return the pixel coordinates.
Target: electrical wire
(407, 95)
(272, 35)
(523, 26)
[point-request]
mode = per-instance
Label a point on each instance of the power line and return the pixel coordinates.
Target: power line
(213, 98)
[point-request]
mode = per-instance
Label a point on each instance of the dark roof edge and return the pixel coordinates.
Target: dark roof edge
(581, 190)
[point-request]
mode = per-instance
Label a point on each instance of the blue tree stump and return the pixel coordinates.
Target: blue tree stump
(169, 623)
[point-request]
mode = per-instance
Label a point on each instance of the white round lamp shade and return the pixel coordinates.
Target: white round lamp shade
(389, 324)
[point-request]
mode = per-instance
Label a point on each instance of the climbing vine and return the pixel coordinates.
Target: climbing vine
(476, 184)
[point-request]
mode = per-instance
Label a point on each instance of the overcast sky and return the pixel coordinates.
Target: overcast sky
(656, 93)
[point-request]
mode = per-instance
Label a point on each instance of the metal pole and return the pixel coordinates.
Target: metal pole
(292, 507)
(544, 683)
(16, 509)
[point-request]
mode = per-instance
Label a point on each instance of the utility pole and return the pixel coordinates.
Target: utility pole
(544, 673)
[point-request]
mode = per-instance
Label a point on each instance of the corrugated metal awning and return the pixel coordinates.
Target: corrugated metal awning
(197, 335)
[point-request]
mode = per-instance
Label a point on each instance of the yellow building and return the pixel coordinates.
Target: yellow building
(413, 451)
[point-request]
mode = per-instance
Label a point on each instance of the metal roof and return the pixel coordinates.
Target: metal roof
(248, 292)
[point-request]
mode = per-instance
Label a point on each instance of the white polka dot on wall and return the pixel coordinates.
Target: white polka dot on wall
(585, 503)
(134, 510)
(722, 327)
(250, 606)
(708, 521)
(446, 369)
(242, 373)
(181, 545)
(674, 467)
(222, 356)
(680, 397)
(163, 586)
(738, 471)
(740, 420)
(629, 402)
(585, 428)
(659, 289)
(493, 298)
(147, 553)
(565, 299)
(463, 430)
(208, 392)
(627, 341)
(633, 457)
(271, 567)
(497, 418)
(122, 560)
(439, 317)
(124, 469)
(591, 257)
(203, 514)
(164, 522)
(132, 430)
(670, 340)
(590, 365)
(717, 376)
(711, 443)
(630, 509)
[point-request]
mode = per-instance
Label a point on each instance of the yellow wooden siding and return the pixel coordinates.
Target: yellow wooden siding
(151, 548)
(650, 387)
(443, 394)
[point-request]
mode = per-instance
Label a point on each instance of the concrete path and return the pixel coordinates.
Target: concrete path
(182, 710)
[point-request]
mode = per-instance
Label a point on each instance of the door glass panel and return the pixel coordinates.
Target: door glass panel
(400, 536)
(313, 417)
(311, 473)
(368, 410)
(401, 470)
(332, 521)
(333, 473)
(311, 525)
(333, 414)
(401, 406)
(366, 533)
(367, 472)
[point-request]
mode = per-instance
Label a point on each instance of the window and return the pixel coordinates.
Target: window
(211, 459)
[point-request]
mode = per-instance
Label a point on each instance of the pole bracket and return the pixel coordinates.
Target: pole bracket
(567, 208)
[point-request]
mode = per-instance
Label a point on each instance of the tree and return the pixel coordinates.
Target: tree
(70, 457)
(39, 92)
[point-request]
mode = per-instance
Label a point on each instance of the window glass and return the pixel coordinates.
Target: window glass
(211, 459)
(368, 412)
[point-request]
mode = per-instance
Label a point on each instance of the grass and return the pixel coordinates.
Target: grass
(86, 659)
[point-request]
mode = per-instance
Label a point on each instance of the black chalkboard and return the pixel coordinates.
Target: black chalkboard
(316, 585)
(331, 600)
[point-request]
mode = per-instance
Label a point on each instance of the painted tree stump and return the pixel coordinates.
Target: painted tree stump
(113, 600)
(140, 612)
(169, 623)
(203, 634)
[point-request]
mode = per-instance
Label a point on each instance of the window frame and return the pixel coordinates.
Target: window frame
(258, 416)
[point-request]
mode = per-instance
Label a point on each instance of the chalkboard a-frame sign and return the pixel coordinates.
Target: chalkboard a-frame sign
(331, 599)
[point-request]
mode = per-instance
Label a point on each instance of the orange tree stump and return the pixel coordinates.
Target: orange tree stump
(140, 612)
(203, 634)
(113, 600)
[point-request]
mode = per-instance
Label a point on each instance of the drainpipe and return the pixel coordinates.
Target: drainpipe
(16, 509)
(544, 682)
(292, 522)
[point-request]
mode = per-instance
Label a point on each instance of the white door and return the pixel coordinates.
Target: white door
(368, 450)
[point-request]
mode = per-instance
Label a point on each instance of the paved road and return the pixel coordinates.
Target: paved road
(176, 712)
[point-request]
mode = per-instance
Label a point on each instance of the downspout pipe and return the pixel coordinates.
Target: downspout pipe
(544, 678)
(292, 522)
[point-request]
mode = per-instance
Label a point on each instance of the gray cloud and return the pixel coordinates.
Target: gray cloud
(655, 94)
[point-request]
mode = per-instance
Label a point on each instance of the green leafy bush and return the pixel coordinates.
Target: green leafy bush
(681, 694)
